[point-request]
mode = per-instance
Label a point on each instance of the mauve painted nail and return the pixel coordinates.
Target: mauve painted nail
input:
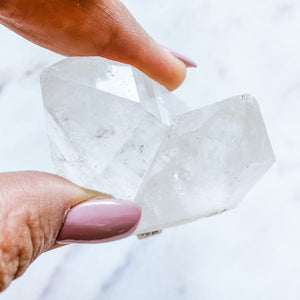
(187, 61)
(99, 221)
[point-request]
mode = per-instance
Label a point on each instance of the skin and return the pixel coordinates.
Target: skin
(33, 204)
(92, 28)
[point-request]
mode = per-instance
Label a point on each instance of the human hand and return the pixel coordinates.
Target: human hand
(34, 205)
(94, 28)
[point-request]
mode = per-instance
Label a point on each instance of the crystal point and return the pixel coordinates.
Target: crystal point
(209, 160)
(113, 129)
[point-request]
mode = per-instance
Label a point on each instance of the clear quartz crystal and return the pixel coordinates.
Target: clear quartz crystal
(208, 161)
(111, 128)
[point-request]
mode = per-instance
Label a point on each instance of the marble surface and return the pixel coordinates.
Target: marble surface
(248, 253)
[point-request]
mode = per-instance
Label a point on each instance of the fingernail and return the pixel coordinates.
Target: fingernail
(187, 61)
(99, 221)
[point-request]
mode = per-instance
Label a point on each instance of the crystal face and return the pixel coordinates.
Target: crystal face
(113, 129)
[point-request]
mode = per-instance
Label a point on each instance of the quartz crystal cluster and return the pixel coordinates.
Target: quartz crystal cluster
(113, 129)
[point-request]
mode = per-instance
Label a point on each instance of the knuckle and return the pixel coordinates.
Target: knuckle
(27, 228)
(5, 270)
(16, 251)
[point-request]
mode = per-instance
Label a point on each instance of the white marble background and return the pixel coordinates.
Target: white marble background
(251, 252)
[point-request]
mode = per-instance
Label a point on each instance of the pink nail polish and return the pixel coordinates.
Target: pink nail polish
(99, 221)
(187, 61)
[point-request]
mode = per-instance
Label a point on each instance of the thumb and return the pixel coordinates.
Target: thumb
(94, 28)
(33, 207)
